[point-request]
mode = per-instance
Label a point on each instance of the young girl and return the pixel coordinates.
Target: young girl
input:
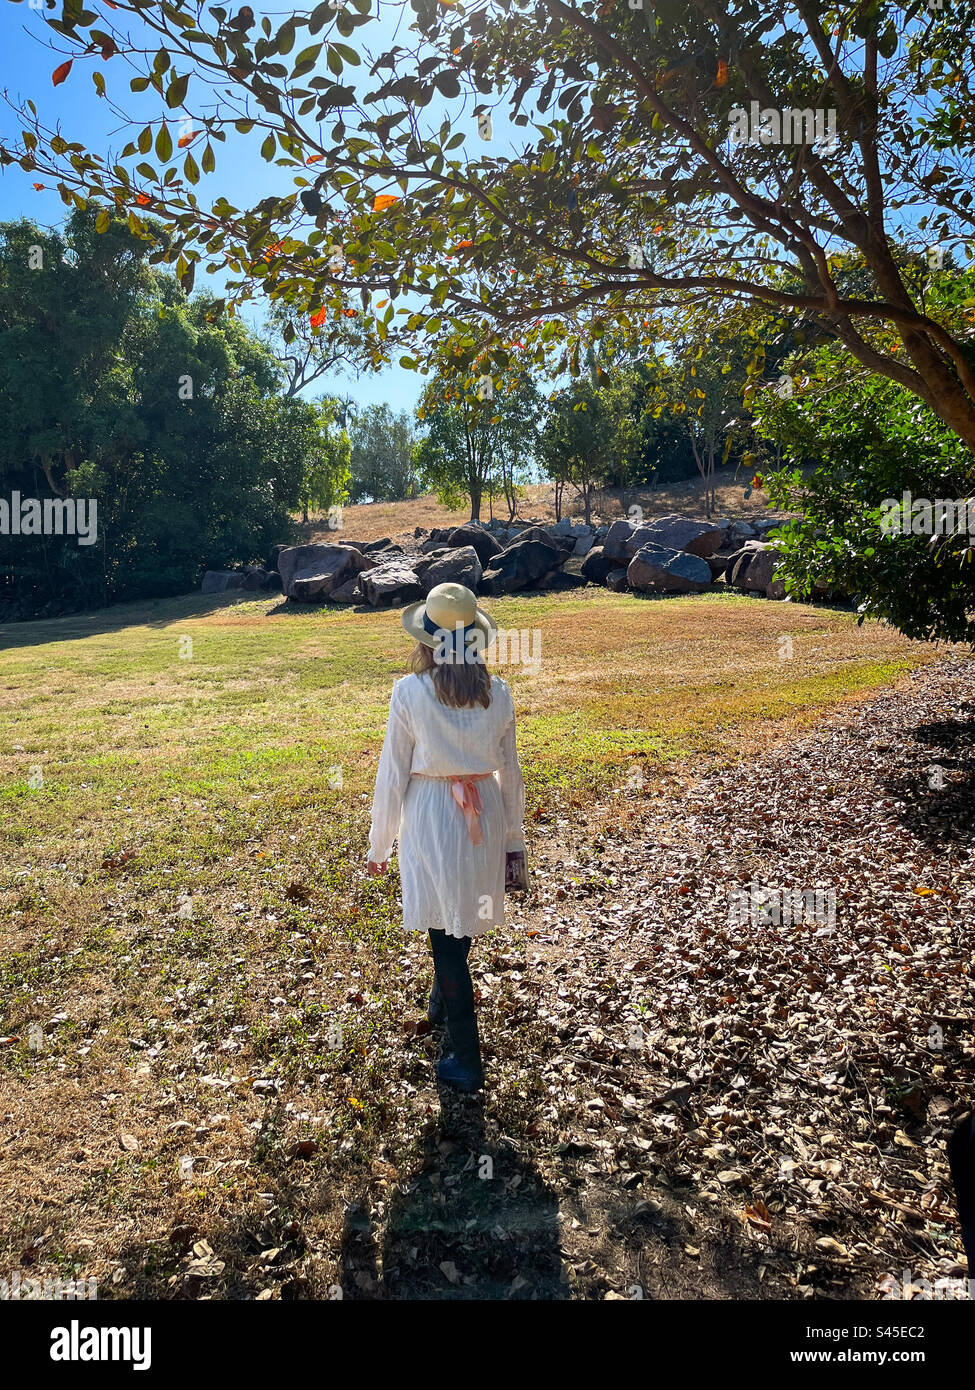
(450, 787)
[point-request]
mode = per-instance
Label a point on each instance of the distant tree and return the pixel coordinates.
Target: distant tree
(700, 384)
(307, 354)
(592, 430)
(117, 387)
(307, 434)
(474, 420)
(382, 468)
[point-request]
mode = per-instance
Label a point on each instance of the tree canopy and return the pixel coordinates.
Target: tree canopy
(116, 386)
(623, 184)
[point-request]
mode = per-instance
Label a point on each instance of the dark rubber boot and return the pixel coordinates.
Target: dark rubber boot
(462, 1068)
(436, 1012)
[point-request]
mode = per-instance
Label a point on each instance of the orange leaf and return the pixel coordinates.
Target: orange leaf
(38, 185)
(185, 140)
(349, 313)
(59, 74)
(383, 201)
(318, 319)
(314, 158)
(722, 76)
(142, 200)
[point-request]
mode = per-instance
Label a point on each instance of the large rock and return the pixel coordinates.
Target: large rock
(482, 541)
(546, 536)
(366, 546)
(682, 533)
(388, 552)
(718, 563)
(758, 573)
(459, 566)
(311, 572)
(617, 540)
(597, 565)
(583, 544)
(624, 539)
(617, 580)
(523, 563)
(660, 568)
(394, 582)
(738, 563)
(255, 578)
(219, 581)
(349, 592)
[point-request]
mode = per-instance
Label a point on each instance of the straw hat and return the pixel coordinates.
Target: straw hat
(450, 608)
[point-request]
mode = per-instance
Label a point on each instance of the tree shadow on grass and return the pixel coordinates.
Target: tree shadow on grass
(153, 613)
(291, 608)
(937, 797)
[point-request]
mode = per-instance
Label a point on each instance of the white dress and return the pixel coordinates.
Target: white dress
(449, 883)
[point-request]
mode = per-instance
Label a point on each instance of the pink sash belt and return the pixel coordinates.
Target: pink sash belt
(468, 798)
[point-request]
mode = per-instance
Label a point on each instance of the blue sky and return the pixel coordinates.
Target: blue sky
(28, 64)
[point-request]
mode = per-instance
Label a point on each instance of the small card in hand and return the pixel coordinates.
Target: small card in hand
(516, 871)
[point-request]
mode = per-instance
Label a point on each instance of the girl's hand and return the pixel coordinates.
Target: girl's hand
(372, 868)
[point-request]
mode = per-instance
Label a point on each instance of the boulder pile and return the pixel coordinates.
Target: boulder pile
(665, 555)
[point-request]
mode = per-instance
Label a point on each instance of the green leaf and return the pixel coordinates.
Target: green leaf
(887, 43)
(176, 91)
(446, 83)
(306, 60)
(191, 169)
(164, 143)
(268, 148)
(320, 16)
(286, 37)
(103, 221)
(144, 140)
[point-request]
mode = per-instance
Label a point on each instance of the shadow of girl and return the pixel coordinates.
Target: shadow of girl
(472, 1223)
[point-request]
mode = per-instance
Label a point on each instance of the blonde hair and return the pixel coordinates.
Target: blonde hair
(460, 684)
